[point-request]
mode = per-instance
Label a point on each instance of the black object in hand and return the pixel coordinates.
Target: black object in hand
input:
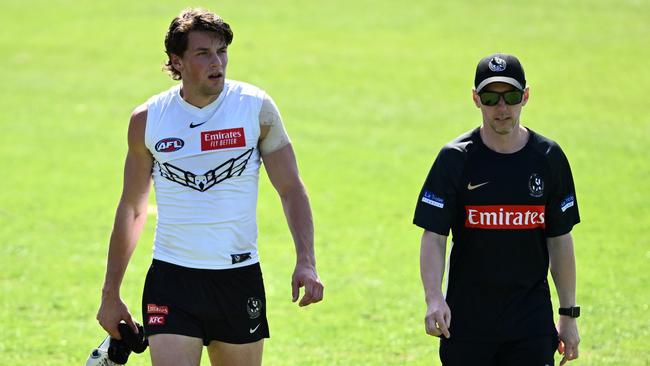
(120, 349)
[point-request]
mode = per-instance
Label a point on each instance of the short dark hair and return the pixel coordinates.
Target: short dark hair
(192, 20)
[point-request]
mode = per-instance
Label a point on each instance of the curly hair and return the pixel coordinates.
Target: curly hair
(192, 20)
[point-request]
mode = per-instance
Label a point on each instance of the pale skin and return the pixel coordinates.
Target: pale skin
(501, 131)
(563, 271)
(202, 67)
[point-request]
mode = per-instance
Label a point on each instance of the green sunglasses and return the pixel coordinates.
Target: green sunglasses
(511, 97)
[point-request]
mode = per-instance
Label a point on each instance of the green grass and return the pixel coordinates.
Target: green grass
(369, 91)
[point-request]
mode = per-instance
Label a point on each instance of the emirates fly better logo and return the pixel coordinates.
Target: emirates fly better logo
(223, 139)
(504, 217)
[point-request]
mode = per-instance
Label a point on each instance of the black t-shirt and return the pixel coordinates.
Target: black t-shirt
(500, 209)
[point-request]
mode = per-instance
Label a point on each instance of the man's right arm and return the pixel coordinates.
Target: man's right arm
(432, 265)
(129, 219)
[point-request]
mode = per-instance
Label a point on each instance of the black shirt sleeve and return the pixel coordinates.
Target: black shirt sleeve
(436, 206)
(562, 206)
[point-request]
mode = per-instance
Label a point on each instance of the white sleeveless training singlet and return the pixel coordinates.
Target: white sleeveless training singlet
(205, 173)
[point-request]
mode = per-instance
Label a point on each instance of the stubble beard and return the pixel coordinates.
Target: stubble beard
(211, 91)
(503, 130)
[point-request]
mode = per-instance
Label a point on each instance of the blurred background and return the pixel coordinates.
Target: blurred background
(369, 92)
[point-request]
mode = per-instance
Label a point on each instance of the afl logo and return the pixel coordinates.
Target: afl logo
(169, 144)
(536, 185)
(497, 64)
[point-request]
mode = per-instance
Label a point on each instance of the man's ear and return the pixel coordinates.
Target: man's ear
(476, 99)
(177, 62)
(526, 95)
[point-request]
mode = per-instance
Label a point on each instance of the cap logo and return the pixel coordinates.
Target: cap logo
(497, 64)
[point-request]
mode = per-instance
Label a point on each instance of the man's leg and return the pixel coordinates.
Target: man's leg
(533, 351)
(467, 353)
(229, 354)
(175, 350)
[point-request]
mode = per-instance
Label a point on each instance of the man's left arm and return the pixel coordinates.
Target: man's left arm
(563, 271)
(282, 169)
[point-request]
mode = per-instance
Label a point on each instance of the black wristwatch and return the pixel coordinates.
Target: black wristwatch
(572, 312)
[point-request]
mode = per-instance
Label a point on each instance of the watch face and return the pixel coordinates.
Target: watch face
(575, 311)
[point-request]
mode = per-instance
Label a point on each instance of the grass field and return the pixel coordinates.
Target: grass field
(369, 91)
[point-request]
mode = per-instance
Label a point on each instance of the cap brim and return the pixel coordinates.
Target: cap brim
(499, 79)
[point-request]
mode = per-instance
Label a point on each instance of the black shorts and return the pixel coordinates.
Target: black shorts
(226, 305)
(536, 351)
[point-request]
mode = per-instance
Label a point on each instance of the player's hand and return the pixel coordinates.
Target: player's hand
(111, 311)
(438, 318)
(567, 330)
(305, 275)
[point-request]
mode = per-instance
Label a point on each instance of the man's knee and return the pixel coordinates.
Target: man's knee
(175, 350)
(229, 354)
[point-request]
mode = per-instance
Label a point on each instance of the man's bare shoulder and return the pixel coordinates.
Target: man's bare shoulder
(137, 126)
(139, 114)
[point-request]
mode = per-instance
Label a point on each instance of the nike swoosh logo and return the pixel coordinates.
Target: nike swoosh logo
(192, 125)
(471, 187)
(252, 330)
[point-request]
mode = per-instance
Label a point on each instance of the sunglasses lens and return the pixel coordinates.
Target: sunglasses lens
(513, 97)
(489, 98)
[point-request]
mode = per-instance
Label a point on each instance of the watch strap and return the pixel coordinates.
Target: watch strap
(573, 311)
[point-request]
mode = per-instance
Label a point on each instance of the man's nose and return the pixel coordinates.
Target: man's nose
(502, 102)
(216, 60)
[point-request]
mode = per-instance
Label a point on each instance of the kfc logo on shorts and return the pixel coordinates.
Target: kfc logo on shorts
(223, 139)
(156, 320)
(157, 309)
(504, 217)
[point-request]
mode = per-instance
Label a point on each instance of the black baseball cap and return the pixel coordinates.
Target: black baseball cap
(499, 67)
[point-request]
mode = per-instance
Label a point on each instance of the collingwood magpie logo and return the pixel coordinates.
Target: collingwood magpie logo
(241, 257)
(203, 182)
(536, 185)
(254, 307)
(497, 64)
